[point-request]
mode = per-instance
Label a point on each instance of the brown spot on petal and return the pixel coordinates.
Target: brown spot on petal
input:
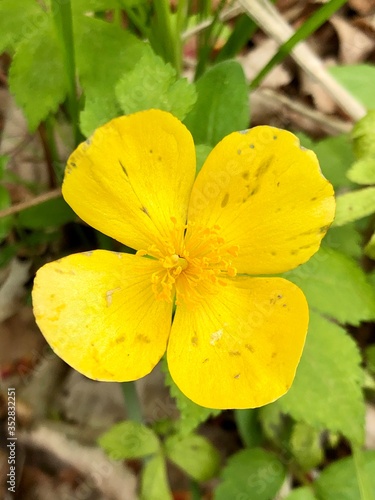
(249, 347)
(143, 338)
(123, 168)
(224, 201)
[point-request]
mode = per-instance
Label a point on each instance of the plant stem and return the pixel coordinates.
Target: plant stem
(195, 490)
(62, 13)
(132, 402)
(167, 34)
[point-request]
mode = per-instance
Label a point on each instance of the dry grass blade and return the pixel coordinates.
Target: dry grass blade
(270, 21)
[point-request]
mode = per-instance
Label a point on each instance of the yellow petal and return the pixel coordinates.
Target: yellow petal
(268, 196)
(99, 314)
(132, 176)
(240, 348)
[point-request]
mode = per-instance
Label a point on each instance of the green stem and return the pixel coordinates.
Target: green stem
(137, 22)
(209, 42)
(117, 17)
(62, 13)
(310, 26)
(56, 163)
(362, 475)
(132, 402)
(171, 42)
(195, 490)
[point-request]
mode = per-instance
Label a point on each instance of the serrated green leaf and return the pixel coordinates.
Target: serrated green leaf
(154, 483)
(326, 392)
(363, 136)
(248, 426)
(336, 286)
(251, 474)
(358, 79)
(97, 112)
(339, 480)
(346, 238)
(363, 171)
(222, 106)
(51, 213)
(18, 19)
(305, 445)
(355, 205)
(335, 157)
(193, 454)
(191, 414)
(5, 222)
(119, 52)
(37, 77)
(181, 98)
(129, 439)
(151, 84)
(304, 493)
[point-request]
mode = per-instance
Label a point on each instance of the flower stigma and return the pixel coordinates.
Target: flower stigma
(191, 266)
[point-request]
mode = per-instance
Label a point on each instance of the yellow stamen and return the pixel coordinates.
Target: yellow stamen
(194, 267)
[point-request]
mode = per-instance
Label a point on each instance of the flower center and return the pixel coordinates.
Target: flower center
(194, 269)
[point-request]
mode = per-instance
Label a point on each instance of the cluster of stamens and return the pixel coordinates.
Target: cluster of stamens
(192, 265)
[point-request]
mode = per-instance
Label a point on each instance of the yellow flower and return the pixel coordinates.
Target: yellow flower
(259, 206)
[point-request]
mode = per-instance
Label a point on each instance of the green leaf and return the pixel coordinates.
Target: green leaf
(329, 371)
(129, 439)
(274, 424)
(251, 474)
(346, 238)
(363, 171)
(97, 112)
(336, 286)
(191, 414)
(370, 358)
(82, 6)
(5, 222)
(202, 151)
(152, 84)
(359, 80)
(51, 213)
(339, 480)
(304, 493)
(37, 77)
(370, 247)
(363, 136)
(222, 106)
(335, 156)
(4, 159)
(248, 427)
(154, 484)
(355, 205)
(18, 19)
(305, 445)
(193, 454)
(119, 52)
